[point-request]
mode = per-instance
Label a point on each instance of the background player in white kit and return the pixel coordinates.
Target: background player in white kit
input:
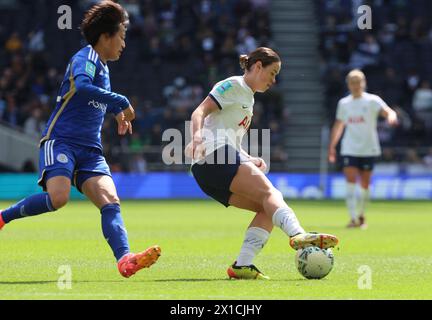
(228, 174)
(358, 114)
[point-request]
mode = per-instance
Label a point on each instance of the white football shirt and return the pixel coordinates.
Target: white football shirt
(360, 118)
(229, 124)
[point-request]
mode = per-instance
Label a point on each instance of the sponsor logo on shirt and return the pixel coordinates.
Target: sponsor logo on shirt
(245, 123)
(98, 105)
(356, 120)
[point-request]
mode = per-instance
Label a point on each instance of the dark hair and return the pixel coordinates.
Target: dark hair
(266, 55)
(104, 17)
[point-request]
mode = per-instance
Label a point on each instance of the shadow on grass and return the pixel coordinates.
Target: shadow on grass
(26, 282)
(56, 281)
(139, 281)
(225, 279)
(188, 280)
(105, 281)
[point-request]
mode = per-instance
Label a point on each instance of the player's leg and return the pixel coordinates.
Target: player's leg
(100, 189)
(254, 241)
(55, 178)
(365, 178)
(264, 193)
(351, 173)
(57, 195)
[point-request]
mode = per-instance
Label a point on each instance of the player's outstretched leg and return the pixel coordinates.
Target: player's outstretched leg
(58, 188)
(286, 220)
(115, 233)
(131, 263)
(30, 206)
(275, 207)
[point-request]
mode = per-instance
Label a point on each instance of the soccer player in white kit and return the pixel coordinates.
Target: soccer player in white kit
(225, 172)
(358, 114)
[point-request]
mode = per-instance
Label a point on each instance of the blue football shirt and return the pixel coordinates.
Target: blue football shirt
(84, 98)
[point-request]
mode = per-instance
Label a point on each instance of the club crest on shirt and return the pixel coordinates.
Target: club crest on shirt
(62, 158)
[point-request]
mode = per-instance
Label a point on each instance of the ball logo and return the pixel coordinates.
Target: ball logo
(62, 158)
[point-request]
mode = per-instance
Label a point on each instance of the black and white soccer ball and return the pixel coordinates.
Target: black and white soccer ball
(313, 262)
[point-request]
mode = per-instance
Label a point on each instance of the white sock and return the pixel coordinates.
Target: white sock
(254, 241)
(351, 200)
(286, 219)
(364, 199)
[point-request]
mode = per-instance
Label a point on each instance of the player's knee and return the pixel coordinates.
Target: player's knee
(272, 195)
(278, 194)
(267, 193)
(113, 199)
(59, 199)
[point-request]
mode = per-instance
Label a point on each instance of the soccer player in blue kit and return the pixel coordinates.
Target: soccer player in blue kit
(71, 149)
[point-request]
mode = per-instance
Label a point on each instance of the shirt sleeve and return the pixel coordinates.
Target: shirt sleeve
(84, 65)
(340, 112)
(115, 102)
(378, 104)
(224, 94)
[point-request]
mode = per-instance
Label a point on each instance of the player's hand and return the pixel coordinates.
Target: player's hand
(129, 113)
(392, 119)
(259, 163)
(195, 149)
(123, 126)
(332, 155)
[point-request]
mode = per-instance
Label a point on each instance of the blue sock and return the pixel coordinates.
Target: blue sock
(114, 231)
(31, 206)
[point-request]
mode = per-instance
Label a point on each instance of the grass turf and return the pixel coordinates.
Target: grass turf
(199, 240)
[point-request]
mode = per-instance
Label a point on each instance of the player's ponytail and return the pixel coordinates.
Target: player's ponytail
(244, 61)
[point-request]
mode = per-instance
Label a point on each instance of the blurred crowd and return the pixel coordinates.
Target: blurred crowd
(176, 51)
(396, 58)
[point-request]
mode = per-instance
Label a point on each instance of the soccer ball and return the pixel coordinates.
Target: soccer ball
(313, 262)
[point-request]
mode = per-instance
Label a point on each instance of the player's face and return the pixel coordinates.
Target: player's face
(116, 44)
(356, 85)
(267, 76)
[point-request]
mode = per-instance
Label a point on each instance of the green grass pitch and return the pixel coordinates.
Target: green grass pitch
(199, 240)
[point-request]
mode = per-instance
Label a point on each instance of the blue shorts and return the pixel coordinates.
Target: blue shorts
(78, 163)
(215, 177)
(361, 163)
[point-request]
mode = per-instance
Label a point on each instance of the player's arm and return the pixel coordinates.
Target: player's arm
(389, 114)
(193, 149)
(83, 70)
(335, 136)
(117, 104)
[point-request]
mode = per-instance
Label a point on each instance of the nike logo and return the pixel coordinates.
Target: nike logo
(244, 107)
